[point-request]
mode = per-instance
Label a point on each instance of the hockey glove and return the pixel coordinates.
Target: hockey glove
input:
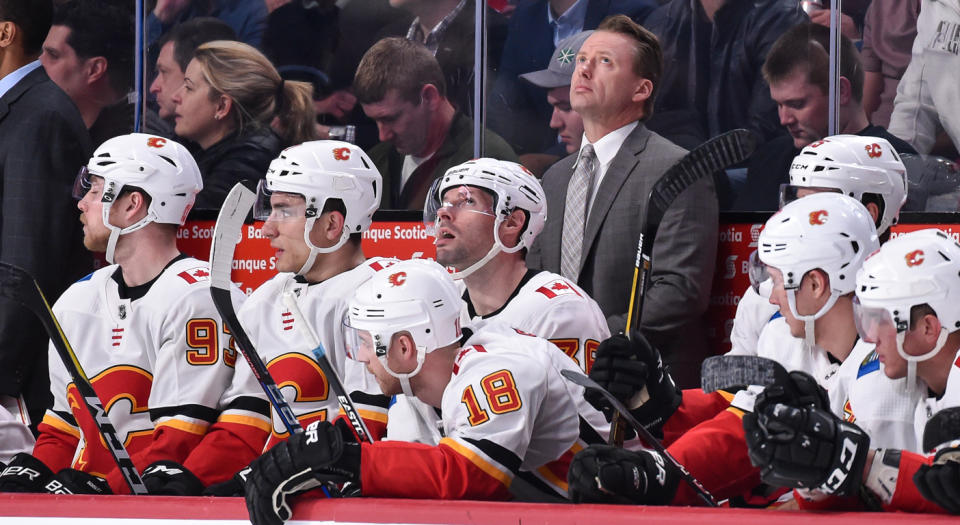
(607, 474)
(799, 390)
(940, 482)
(171, 479)
(624, 367)
(806, 447)
(232, 487)
(303, 462)
(25, 473)
(71, 481)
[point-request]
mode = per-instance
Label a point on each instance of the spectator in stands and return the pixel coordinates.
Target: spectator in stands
(43, 142)
(567, 122)
(88, 53)
(518, 111)
(598, 194)
(797, 70)
(230, 96)
(176, 50)
(712, 51)
(888, 33)
(247, 18)
(400, 86)
(446, 28)
(928, 95)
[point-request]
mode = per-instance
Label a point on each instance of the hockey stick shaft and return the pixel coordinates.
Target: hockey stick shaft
(648, 438)
(226, 234)
(710, 157)
(16, 284)
(346, 403)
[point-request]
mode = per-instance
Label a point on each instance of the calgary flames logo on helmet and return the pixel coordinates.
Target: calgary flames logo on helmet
(819, 217)
(873, 150)
(914, 258)
(341, 153)
(156, 142)
(397, 279)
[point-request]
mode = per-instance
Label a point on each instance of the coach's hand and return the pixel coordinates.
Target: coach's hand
(624, 367)
(607, 474)
(303, 462)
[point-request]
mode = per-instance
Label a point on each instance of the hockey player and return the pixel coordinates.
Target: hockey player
(906, 304)
(316, 200)
(144, 328)
(506, 409)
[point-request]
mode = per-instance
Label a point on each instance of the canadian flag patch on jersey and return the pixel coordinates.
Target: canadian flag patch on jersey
(195, 275)
(556, 288)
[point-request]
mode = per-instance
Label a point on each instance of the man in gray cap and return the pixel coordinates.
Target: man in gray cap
(556, 80)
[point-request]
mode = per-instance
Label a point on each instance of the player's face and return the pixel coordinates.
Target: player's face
(284, 228)
(194, 111)
(464, 226)
(802, 108)
(401, 122)
(564, 119)
(389, 385)
(604, 82)
(778, 297)
(168, 81)
(95, 234)
(61, 62)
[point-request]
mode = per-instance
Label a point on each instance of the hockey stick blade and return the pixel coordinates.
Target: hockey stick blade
(943, 427)
(353, 416)
(651, 441)
(226, 234)
(733, 372)
(18, 285)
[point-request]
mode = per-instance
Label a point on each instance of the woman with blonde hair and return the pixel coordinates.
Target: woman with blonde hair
(231, 94)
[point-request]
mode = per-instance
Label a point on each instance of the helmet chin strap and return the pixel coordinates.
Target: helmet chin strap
(405, 378)
(314, 249)
(912, 360)
(809, 320)
(116, 231)
(497, 247)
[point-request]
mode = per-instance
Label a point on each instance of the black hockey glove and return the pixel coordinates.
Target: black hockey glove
(25, 473)
(940, 482)
(171, 479)
(305, 461)
(607, 474)
(71, 481)
(624, 367)
(806, 447)
(800, 389)
(232, 487)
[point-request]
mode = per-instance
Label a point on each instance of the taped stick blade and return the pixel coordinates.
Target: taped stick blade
(738, 371)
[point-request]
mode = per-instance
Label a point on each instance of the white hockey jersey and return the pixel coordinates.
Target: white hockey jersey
(289, 357)
(159, 362)
(859, 391)
(506, 409)
(753, 314)
(928, 406)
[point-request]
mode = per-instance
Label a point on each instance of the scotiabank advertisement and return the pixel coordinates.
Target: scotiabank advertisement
(404, 236)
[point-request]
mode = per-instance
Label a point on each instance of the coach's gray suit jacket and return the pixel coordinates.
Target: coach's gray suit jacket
(683, 256)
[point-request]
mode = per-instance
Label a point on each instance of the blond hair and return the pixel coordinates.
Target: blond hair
(259, 94)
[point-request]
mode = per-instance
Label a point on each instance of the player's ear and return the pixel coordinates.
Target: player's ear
(930, 326)
(511, 227)
(819, 282)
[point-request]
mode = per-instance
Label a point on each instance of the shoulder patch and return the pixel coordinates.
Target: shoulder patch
(870, 364)
(86, 277)
(558, 287)
(381, 264)
(195, 275)
(463, 353)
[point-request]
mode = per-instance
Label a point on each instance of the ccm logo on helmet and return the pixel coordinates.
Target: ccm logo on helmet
(873, 150)
(341, 153)
(818, 217)
(156, 142)
(397, 279)
(914, 258)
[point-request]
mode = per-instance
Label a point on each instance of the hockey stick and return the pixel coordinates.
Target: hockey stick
(706, 159)
(655, 444)
(321, 357)
(726, 372)
(17, 285)
(226, 234)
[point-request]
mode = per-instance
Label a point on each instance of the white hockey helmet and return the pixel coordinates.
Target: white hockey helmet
(826, 231)
(161, 167)
(417, 296)
(318, 171)
(513, 187)
(852, 165)
(921, 267)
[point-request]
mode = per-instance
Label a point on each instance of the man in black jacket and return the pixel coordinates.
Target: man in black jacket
(43, 142)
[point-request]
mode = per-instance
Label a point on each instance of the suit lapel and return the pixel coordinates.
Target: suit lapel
(34, 77)
(553, 230)
(624, 163)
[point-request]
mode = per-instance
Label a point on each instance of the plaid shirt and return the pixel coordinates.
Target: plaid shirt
(432, 40)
